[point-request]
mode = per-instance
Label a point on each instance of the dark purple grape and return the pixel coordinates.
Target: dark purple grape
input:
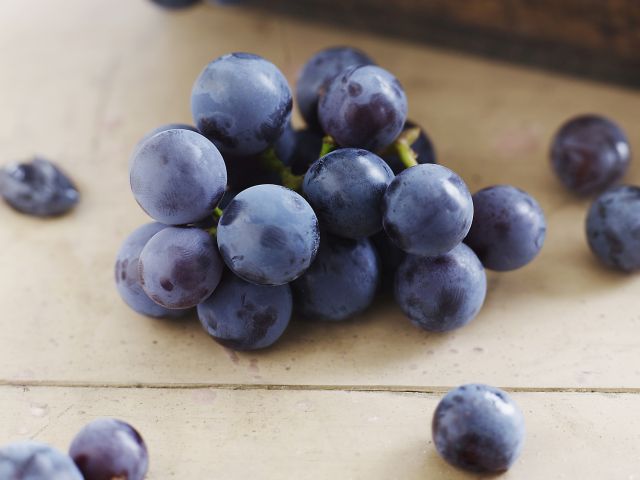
(478, 428)
(613, 227)
(341, 282)
(177, 177)
(422, 147)
(29, 460)
(364, 107)
(175, 4)
(508, 228)
(317, 74)
(128, 273)
(441, 293)
(298, 149)
(590, 153)
(38, 188)
(268, 235)
(244, 316)
(110, 449)
(242, 103)
(427, 210)
(345, 188)
(180, 267)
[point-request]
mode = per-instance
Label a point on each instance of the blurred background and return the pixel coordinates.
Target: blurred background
(598, 39)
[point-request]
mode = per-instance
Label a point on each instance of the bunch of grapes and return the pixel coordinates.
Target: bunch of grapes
(256, 220)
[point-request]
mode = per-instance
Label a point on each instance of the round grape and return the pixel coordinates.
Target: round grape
(168, 126)
(508, 228)
(345, 188)
(29, 460)
(478, 428)
(364, 107)
(317, 74)
(427, 210)
(590, 153)
(108, 449)
(180, 267)
(244, 316)
(613, 227)
(128, 273)
(341, 282)
(268, 235)
(177, 177)
(441, 293)
(242, 103)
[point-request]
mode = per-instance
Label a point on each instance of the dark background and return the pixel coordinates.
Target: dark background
(599, 39)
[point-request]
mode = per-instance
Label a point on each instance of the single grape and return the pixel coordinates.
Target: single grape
(268, 235)
(244, 316)
(478, 428)
(128, 273)
(175, 4)
(108, 449)
(345, 188)
(298, 149)
(38, 188)
(590, 153)
(180, 267)
(441, 293)
(29, 460)
(317, 74)
(364, 107)
(613, 227)
(242, 103)
(427, 210)
(421, 146)
(508, 228)
(177, 177)
(341, 282)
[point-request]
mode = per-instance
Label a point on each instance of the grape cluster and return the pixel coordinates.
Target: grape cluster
(104, 449)
(257, 221)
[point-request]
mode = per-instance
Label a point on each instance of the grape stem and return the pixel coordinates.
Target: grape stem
(328, 145)
(402, 145)
(217, 213)
(271, 161)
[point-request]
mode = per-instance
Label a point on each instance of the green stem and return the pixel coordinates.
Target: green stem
(328, 145)
(402, 145)
(271, 162)
(217, 213)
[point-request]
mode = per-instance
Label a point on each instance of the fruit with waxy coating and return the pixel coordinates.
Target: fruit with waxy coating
(478, 428)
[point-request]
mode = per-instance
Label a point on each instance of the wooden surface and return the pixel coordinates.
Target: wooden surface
(596, 38)
(81, 84)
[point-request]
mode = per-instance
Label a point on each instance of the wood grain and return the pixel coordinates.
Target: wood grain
(598, 39)
(217, 433)
(99, 74)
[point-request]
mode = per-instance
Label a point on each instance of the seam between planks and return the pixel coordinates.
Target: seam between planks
(295, 387)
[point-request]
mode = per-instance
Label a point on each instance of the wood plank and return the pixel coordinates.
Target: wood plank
(94, 80)
(207, 433)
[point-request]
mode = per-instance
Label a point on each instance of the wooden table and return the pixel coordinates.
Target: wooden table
(82, 82)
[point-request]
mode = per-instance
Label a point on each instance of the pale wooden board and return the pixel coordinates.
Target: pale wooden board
(224, 434)
(82, 83)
